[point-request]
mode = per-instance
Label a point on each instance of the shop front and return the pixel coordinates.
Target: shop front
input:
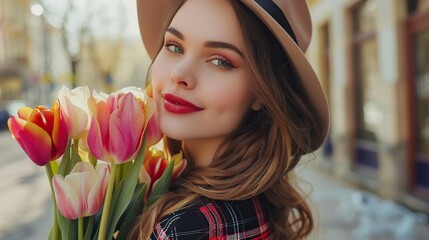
(418, 87)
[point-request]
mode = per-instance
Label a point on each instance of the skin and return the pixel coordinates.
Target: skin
(202, 61)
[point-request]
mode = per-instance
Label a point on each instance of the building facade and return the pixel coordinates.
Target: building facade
(34, 62)
(14, 46)
(372, 57)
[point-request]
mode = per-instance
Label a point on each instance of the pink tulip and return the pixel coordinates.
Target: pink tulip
(41, 132)
(81, 193)
(118, 122)
(75, 110)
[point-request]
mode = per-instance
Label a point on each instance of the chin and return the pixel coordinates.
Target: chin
(173, 132)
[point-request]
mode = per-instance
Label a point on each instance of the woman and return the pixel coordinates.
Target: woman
(237, 96)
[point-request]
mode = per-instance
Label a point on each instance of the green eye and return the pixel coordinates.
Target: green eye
(223, 63)
(174, 48)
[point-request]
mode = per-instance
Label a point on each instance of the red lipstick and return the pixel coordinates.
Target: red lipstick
(178, 105)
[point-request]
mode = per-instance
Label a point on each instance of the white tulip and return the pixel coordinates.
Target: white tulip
(74, 108)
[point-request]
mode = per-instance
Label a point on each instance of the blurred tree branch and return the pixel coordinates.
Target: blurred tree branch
(91, 23)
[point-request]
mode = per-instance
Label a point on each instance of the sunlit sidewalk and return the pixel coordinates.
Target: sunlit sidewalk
(344, 212)
(26, 206)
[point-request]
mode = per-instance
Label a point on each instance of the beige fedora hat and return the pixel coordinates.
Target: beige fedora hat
(290, 23)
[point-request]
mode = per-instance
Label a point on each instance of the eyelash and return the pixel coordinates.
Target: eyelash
(173, 44)
(228, 63)
(224, 60)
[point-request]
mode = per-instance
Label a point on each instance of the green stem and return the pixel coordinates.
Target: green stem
(119, 175)
(106, 207)
(55, 232)
(80, 228)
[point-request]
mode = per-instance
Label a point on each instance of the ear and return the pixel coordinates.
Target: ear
(256, 105)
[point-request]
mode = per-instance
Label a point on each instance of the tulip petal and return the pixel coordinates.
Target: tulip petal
(126, 125)
(153, 132)
(35, 141)
(96, 196)
(67, 199)
(25, 113)
(87, 177)
(94, 139)
(43, 118)
(81, 167)
(82, 183)
(15, 126)
(103, 118)
(148, 90)
(75, 109)
(155, 167)
(59, 132)
(178, 169)
(149, 109)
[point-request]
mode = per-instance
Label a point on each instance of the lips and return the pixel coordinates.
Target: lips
(178, 105)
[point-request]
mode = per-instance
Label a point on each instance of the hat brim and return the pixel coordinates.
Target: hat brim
(153, 13)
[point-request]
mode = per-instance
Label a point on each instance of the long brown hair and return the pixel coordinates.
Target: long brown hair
(259, 156)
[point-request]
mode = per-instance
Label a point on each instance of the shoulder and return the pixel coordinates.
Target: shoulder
(216, 219)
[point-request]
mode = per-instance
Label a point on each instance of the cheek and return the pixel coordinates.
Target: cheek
(235, 99)
(158, 75)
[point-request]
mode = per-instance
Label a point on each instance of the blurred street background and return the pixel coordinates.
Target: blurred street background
(369, 181)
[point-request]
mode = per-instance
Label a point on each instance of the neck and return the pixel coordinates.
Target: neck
(202, 151)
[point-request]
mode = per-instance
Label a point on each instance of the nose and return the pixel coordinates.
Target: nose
(183, 75)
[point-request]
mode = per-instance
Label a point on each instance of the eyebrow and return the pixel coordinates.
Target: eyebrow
(210, 44)
(176, 33)
(223, 45)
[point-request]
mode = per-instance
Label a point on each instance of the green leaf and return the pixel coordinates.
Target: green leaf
(119, 175)
(92, 159)
(89, 224)
(132, 212)
(124, 192)
(65, 159)
(127, 167)
(51, 234)
(70, 159)
(68, 228)
(75, 152)
(161, 186)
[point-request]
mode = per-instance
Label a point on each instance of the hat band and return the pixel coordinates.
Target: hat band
(274, 11)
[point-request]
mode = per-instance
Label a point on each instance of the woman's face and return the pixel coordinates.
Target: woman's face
(201, 81)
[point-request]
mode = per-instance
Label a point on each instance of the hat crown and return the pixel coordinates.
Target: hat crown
(293, 16)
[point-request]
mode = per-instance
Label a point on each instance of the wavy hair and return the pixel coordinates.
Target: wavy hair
(259, 156)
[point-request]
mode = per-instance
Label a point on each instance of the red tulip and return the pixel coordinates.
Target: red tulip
(155, 163)
(41, 132)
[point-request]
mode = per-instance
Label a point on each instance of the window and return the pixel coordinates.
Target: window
(418, 84)
(367, 85)
(325, 77)
(421, 76)
(416, 6)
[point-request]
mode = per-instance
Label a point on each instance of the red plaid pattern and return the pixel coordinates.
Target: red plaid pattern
(217, 220)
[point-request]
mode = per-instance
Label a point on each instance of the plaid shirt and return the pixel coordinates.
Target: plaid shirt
(216, 220)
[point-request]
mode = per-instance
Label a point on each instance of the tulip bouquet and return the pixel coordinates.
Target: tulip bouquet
(98, 154)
